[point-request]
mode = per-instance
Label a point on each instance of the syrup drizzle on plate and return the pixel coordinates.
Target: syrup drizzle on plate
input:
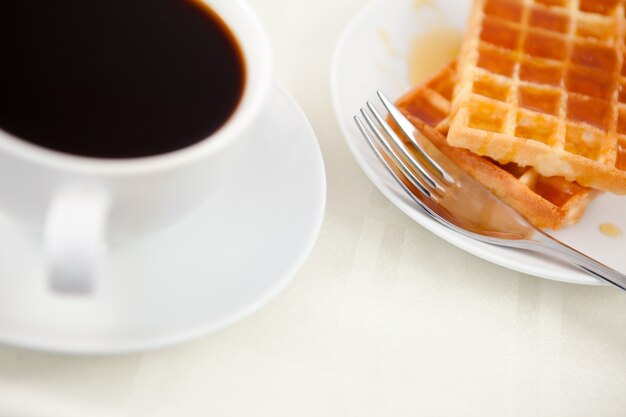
(610, 230)
(437, 46)
(432, 50)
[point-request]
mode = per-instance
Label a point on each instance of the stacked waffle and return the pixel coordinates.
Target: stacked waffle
(534, 110)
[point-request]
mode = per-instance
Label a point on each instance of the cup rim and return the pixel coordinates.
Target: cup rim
(257, 55)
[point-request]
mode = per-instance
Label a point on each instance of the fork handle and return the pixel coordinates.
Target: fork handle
(544, 243)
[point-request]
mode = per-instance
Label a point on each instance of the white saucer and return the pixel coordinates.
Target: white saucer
(373, 53)
(212, 268)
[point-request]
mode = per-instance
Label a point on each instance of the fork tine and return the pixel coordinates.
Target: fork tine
(400, 146)
(370, 141)
(408, 129)
(414, 177)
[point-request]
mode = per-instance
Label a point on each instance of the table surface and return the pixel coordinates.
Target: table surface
(384, 319)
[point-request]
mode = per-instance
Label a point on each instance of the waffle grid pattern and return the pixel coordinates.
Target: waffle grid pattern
(548, 76)
(547, 202)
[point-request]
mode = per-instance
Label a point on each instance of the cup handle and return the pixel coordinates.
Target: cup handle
(74, 238)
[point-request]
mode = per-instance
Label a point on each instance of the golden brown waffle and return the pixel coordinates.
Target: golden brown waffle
(546, 202)
(541, 85)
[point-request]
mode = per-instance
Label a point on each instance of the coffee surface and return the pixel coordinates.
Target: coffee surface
(116, 78)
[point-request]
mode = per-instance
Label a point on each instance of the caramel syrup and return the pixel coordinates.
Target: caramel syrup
(610, 230)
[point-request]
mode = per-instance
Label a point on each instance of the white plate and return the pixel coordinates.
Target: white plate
(373, 53)
(212, 268)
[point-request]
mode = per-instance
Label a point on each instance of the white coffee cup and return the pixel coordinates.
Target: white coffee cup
(81, 204)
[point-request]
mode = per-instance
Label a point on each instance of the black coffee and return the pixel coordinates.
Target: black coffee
(116, 78)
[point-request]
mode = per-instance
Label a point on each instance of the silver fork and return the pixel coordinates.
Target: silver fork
(454, 199)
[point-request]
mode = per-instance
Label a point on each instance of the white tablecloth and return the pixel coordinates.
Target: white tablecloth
(384, 319)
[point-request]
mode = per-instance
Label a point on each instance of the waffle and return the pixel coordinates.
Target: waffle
(547, 202)
(542, 84)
